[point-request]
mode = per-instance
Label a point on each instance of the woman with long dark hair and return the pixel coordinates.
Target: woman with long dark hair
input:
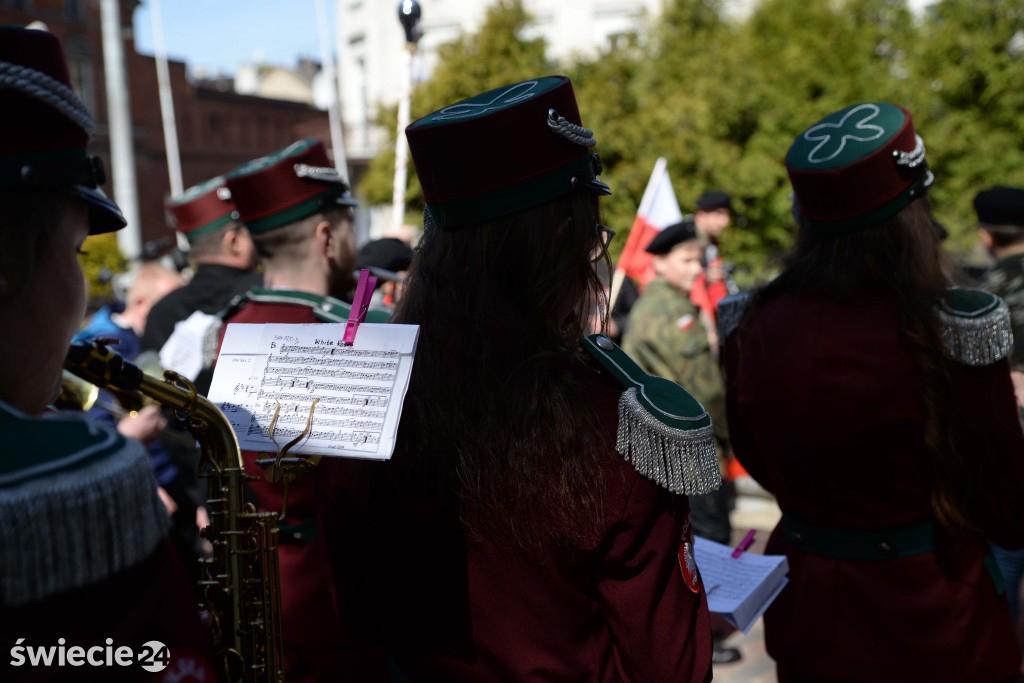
(875, 402)
(506, 539)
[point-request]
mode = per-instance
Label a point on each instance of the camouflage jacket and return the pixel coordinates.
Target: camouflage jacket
(667, 338)
(1006, 280)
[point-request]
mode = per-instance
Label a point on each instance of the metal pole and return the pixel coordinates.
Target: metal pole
(119, 120)
(401, 146)
(163, 77)
(333, 111)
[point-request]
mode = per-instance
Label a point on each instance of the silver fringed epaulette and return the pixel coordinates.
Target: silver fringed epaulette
(730, 313)
(976, 326)
(663, 431)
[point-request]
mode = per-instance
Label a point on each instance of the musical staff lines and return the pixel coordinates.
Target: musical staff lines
(279, 371)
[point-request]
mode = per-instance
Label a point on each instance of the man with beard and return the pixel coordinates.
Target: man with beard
(300, 214)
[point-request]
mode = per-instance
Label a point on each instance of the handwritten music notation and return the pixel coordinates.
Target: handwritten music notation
(340, 351)
(276, 372)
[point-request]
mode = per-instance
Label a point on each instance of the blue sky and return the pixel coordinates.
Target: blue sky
(221, 34)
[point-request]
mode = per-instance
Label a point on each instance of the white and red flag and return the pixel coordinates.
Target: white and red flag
(659, 209)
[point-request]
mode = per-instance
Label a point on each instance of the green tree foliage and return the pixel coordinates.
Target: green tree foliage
(968, 65)
(722, 97)
(500, 52)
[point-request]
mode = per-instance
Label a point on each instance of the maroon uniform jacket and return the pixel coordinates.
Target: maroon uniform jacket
(85, 565)
(826, 411)
(309, 621)
(446, 605)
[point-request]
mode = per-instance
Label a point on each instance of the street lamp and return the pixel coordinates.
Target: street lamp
(409, 14)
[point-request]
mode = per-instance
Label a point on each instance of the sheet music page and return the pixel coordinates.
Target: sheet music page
(741, 588)
(358, 390)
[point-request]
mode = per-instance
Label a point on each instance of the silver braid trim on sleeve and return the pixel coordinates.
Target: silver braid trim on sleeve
(978, 341)
(48, 91)
(684, 461)
(572, 132)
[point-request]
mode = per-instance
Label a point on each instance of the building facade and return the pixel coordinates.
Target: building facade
(218, 129)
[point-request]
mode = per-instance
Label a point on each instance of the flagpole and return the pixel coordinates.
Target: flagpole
(645, 206)
(119, 121)
(333, 111)
(170, 126)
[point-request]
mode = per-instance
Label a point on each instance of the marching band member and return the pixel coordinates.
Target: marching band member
(507, 539)
(876, 404)
(85, 564)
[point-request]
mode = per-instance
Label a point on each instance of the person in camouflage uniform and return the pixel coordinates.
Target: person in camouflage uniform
(1001, 227)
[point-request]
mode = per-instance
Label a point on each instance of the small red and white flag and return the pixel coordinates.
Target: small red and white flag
(659, 209)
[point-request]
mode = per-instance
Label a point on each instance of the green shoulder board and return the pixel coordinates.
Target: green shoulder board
(663, 431)
(730, 313)
(975, 326)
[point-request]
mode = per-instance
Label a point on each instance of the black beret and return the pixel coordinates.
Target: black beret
(388, 253)
(666, 240)
(1000, 206)
(714, 199)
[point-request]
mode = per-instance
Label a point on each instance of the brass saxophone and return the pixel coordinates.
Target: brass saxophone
(240, 584)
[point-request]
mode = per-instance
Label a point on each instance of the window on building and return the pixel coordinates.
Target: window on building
(79, 56)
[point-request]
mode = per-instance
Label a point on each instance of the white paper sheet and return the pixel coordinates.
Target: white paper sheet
(360, 387)
(740, 589)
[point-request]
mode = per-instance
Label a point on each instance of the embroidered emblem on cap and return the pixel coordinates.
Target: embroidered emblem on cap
(321, 174)
(465, 110)
(844, 130)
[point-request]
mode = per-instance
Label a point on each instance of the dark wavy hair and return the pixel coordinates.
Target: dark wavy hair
(898, 258)
(494, 399)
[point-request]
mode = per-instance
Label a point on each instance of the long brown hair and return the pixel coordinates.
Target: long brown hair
(502, 306)
(899, 258)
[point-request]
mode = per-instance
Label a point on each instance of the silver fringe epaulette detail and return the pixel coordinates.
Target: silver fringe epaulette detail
(684, 461)
(978, 341)
(730, 313)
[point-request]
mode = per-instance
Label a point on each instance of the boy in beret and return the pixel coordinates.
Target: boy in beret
(669, 336)
(1000, 211)
(85, 563)
(299, 212)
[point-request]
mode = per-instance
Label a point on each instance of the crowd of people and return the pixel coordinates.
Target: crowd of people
(537, 518)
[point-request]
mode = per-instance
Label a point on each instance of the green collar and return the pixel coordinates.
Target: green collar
(326, 308)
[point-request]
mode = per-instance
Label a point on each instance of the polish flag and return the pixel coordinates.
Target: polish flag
(659, 209)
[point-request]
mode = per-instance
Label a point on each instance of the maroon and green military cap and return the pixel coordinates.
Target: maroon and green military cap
(201, 209)
(857, 167)
(46, 127)
(287, 186)
(502, 152)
